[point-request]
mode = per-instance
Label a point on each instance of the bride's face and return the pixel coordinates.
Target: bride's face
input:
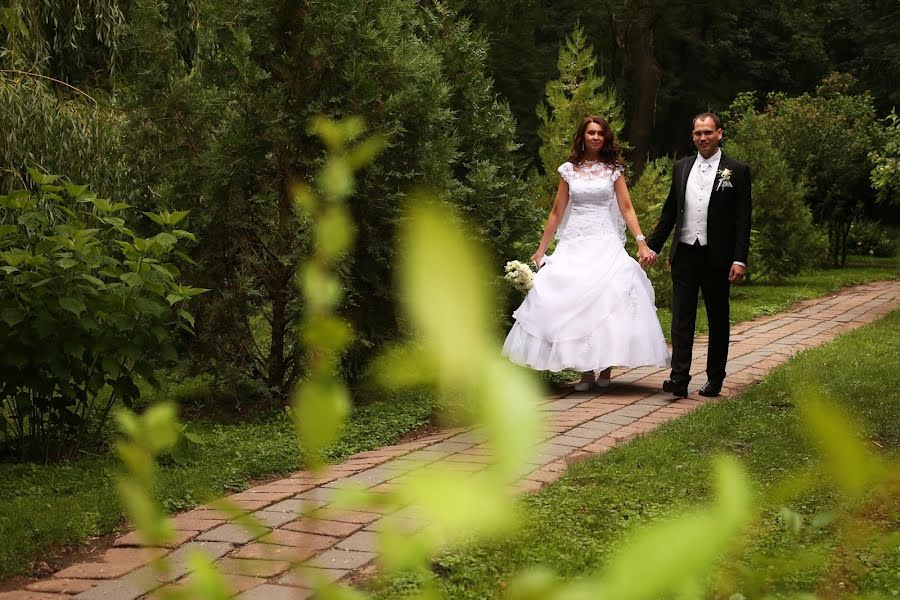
(593, 137)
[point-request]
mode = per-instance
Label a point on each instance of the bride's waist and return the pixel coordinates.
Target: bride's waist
(589, 226)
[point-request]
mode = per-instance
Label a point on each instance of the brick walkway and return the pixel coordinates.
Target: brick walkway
(344, 542)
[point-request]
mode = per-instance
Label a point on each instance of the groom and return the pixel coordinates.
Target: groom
(709, 208)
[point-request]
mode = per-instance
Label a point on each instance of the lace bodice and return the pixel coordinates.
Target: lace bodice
(593, 210)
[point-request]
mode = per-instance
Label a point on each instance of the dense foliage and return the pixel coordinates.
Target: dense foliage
(220, 105)
(670, 60)
(87, 307)
(784, 240)
(827, 137)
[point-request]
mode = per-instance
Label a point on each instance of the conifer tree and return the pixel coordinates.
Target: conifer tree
(577, 93)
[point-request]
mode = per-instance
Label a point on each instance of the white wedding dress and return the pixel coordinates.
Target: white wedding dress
(591, 306)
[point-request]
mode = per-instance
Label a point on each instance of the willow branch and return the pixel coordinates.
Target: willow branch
(38, 75)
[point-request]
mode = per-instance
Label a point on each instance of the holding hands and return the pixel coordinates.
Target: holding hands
(646, 256)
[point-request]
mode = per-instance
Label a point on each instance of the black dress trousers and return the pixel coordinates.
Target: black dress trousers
(695, 271)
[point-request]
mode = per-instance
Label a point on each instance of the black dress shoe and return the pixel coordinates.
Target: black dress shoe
(676, 389)
(711, 389)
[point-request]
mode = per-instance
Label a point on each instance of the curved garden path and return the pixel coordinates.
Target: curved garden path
(343, 545)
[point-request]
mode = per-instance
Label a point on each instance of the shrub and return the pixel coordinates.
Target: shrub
(828, 138)
(785, 241)
(872, 238)
(86, 308)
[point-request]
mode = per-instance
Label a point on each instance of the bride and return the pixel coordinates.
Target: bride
(591, 306)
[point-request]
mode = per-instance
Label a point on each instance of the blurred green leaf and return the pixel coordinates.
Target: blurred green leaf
(834, 432)
(321, 407)
(662, 558)
(444, 283)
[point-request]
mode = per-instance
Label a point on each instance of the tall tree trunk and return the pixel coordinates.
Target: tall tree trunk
(646, 80)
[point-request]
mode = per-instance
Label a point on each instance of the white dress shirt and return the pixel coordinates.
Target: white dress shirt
(696, 198)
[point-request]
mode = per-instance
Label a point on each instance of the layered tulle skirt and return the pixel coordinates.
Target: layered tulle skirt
(591, 307)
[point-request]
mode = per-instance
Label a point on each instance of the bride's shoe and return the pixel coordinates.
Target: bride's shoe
(583, 386)
(602, 383)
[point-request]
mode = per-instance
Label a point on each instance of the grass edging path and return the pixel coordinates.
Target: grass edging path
(43, 507)
(572, 525)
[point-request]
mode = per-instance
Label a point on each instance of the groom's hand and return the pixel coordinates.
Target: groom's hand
(736, 273)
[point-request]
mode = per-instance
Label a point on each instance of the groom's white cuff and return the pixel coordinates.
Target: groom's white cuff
(737, 262)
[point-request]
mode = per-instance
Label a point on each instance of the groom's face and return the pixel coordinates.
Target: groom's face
(706, 136)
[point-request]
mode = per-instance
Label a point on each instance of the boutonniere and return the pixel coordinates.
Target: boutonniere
(724, 180)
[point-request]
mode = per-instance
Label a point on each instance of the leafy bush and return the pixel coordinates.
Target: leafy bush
(886, 170)
(86, 307)
(828, 139)
(219, 101)
(872, 238)
(785, 241)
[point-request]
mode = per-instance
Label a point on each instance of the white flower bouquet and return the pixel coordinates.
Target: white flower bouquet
(519, 275)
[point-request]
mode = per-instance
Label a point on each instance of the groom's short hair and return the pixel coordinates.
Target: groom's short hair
(708, 115)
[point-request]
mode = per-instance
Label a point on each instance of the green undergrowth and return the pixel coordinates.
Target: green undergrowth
(46, 506)
(572, 526)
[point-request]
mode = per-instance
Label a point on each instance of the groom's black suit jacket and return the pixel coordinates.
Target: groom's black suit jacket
(728, 217)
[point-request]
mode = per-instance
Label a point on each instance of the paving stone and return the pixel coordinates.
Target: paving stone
(345, 516)
(28, 595)
(63, 586)
(271, 518)
(230, 532)
(361, 540)
(397, 524)
(184, 523)
(299, 539)
(132, 586)
(295, 506)
(342, 559)
(233, 583)
(311, 577)
(261, 551)
(134, 539)
(269, 591)
(323, 494)
(253, 567)
(115, 562)
(616, 419)
(322, 527)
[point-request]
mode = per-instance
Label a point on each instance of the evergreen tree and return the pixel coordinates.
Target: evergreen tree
(219, 103)
(577, 93)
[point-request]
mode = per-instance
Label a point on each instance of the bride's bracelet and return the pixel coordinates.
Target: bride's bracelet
(640, 238)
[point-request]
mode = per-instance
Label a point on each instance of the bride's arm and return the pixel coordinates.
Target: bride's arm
(556, 215)
(645, 255)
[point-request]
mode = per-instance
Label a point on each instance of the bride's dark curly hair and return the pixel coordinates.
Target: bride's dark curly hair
(609, 153)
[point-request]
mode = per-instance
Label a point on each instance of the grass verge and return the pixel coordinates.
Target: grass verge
(47, 506)
(572, 526)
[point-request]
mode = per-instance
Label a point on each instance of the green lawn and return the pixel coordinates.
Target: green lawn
(572, 526)
(46, 506)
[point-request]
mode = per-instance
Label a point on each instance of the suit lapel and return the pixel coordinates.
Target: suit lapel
(685, 173)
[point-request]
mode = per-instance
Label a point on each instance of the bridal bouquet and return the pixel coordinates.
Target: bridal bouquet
(519, 275)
